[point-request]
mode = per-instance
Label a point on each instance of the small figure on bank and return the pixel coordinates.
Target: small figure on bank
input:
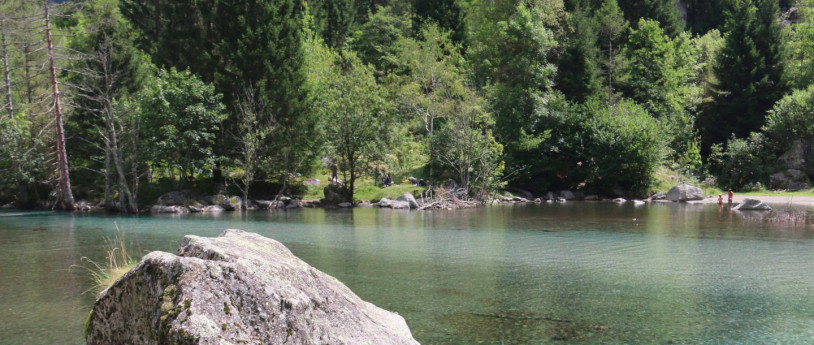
(334, 175)
(731, 195)
(386, 181)
(720, 199)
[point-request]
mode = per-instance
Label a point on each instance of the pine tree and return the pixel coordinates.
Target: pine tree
(664, 11)
(333, 20)
(612, 26)
(578, 73)
(749, 71)
(446, 13)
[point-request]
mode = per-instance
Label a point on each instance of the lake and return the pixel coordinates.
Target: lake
(573, 273)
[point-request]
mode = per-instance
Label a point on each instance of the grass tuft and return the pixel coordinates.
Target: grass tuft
(118, 263)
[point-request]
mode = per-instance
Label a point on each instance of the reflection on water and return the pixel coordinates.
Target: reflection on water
(575, 273)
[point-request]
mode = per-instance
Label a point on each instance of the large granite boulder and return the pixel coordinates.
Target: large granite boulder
(335, 194)
(791, 180)
(685, 192)
(752, 204)
(394, 204)
(409, 199)
(229, 203)
(238, 288)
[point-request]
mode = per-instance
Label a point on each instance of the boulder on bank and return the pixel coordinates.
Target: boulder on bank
(229, 203)
(212, 209)
(409, 199)
(238, 288)
(791, 180)
(335, 194)
(685, 192)
(658, 196)
(752, 205)
(394, 204)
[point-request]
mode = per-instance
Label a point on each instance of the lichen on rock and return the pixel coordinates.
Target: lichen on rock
(236, 288)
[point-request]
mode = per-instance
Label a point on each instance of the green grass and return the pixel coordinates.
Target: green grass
(118, 263)
(375, 193)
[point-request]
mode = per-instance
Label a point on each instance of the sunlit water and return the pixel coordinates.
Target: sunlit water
(578, 273)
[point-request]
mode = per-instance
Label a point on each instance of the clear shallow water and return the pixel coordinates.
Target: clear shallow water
(578, 273)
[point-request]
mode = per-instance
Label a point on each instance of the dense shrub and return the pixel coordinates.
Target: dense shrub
(791, 118)
(741, 162)
(625, 147)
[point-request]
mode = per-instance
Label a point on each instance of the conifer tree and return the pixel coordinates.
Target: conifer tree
(333, 20)
(749, 71)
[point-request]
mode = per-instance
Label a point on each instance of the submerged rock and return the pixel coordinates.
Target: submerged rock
(238, 288)
(685, 192)
(752, 205)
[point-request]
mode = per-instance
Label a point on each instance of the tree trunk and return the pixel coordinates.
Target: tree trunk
(108, 169)
(5, 68)
(62, 155)
(136, 127)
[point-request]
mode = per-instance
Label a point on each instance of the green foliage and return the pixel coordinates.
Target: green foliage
(661, 77)
(446, 14)
(800, 46)
(665, 12)
(181, 119)
(578, 75)
(749, 71)
(23, 160)
(742, 162)
(523, 77)
(624, 147)
(333, 20)
(792, 118)
(375, 41)
(355, 116)
(612, 27)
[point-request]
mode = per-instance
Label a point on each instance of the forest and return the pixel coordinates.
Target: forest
(117, 102)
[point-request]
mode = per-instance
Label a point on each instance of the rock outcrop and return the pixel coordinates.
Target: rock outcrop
(791, 180)
(567, 195)
(752, 205)
(174, 198)
(685, 192)
(394, 204)
(335, 194)
(238, 288)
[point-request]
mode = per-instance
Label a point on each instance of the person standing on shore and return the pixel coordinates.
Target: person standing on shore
(731, 195)
(334, 174)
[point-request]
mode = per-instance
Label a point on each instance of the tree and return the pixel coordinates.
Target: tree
(250, 137)
(109, 69)
(446, 14)
(182, 117)
(663, 11)
(430, 71)
(749, 71)
(66, 195)
(465, 143)
(355, 118)
(611, 27)
(375, 41)
(661, 78)
(333, 20)
(800, 44)
(523, 75)
(578, 73)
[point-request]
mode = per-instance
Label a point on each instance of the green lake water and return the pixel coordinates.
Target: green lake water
(574, 273)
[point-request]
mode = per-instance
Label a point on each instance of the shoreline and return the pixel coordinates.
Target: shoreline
(769, 199)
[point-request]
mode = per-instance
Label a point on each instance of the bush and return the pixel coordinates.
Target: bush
(625, 147)
(791, 118)
(742, 162)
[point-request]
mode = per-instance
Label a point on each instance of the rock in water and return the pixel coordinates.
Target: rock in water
(238, 288)
(752, 205)
(409, 199)
(685, 192)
